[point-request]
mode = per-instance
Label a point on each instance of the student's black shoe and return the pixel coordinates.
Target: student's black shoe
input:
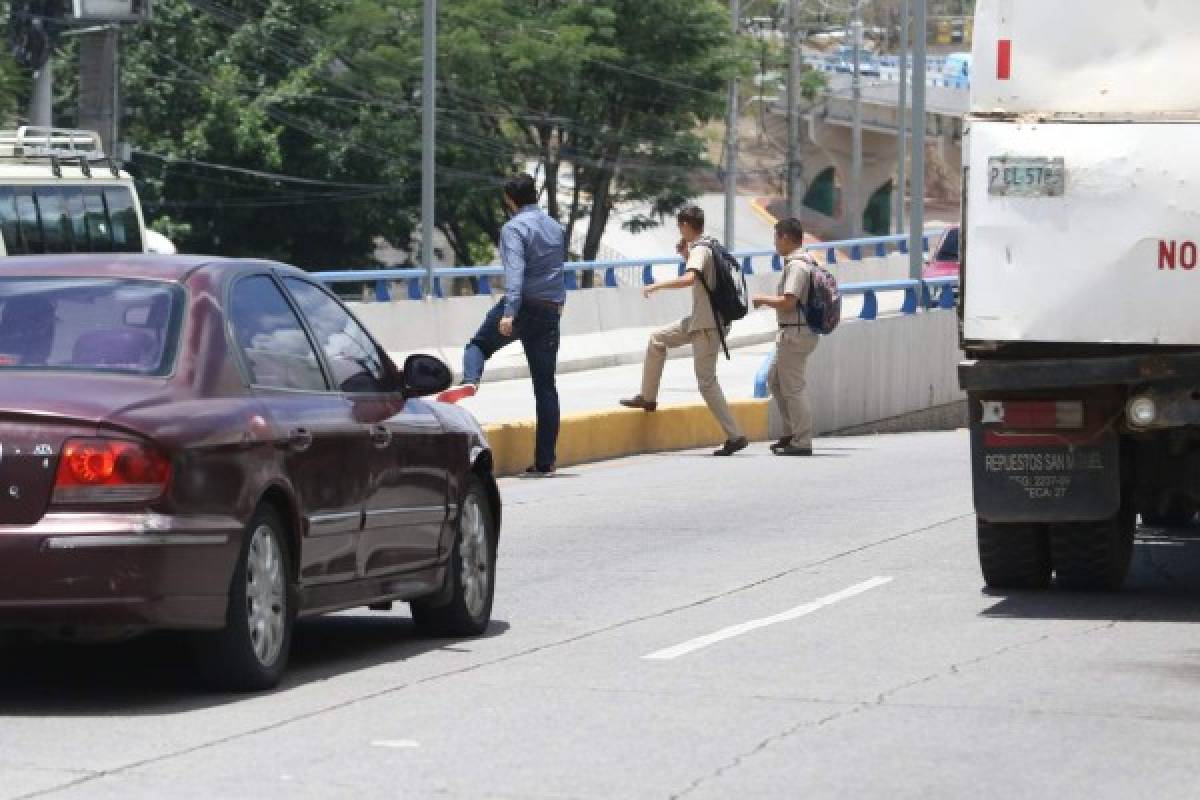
(539, 472)
(637, 401)
(732, 446)
(782, 443)
(792, 450)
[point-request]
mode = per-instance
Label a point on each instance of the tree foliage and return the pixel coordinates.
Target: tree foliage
(291, 129)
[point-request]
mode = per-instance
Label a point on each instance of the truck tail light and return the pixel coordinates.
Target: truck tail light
(1034, 415)
(110, 471)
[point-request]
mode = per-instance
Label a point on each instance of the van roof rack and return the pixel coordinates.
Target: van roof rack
(59, 145)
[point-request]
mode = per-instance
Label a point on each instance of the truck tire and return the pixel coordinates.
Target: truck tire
(1093, 556)
(1013, 556)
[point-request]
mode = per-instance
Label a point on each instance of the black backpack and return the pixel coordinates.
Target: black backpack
(729, 295)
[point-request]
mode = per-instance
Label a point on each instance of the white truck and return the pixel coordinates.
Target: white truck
(59, 193)
(1081, 271)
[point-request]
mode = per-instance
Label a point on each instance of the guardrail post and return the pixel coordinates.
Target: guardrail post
(910, 300)
(485, 285)
(747, 267)
(880, 249)
(870, 306)
(437, 287)
(761, 389)
(647, 274)
(570, 280)
(926, 296)
(382, 293)
(414, 289)
(777, 263)
(682, 268)
(856, 253)
(946, 298)
(903, 248)
(831, 256)
(610, 278)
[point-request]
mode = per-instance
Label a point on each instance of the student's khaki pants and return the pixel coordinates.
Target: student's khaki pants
(786, 380)
(705, 347)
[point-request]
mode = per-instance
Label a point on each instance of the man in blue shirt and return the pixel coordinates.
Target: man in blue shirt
(532, 249)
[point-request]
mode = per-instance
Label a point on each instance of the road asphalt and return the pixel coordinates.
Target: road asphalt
(675, 626)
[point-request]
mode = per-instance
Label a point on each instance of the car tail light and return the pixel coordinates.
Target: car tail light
(1034, 415)
(110, 471)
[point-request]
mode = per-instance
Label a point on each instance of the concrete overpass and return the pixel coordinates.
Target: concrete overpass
(826, 156)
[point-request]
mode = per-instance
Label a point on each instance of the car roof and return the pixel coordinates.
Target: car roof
(128, 265)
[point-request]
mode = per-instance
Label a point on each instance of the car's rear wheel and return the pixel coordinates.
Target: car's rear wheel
(251, 652)
(464, 606)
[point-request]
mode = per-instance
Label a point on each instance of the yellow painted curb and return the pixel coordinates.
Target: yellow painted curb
(602, 435)
(757, 205)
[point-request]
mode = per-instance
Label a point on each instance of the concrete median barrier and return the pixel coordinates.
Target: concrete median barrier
(601, 435)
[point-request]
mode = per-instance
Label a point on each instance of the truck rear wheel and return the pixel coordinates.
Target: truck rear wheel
(1013, 556)
(1093, 556)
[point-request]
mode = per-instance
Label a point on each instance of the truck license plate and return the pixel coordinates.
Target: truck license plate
(1015, 176)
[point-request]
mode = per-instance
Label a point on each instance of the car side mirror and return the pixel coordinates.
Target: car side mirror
(425, 375)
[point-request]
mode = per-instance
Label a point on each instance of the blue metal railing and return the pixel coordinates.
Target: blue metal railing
(932, 294)
(858, 249)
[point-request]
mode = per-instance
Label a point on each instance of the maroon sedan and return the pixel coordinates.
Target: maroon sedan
(219, 446)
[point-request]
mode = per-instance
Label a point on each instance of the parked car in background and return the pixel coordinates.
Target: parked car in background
(943, 260)
(868, 64)
(956, 70)
(218, 446)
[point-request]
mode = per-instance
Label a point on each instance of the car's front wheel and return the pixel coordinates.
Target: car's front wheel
(464, 607)
(251, 652)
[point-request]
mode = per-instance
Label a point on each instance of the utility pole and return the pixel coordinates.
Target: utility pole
(794, 198)
(99, 85)
(916, 250)
(731, 143)
(902, 118)
(428, 141)
(41, 107)
(852, 201)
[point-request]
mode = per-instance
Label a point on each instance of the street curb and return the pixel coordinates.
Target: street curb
(602, 435)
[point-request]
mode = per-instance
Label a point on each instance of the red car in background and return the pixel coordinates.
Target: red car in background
(943, 260)
(219, 446)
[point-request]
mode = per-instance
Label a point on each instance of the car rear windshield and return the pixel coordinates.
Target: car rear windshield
(89, 324)
(949, 248)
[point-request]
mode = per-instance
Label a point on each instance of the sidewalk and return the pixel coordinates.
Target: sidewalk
(599, 389)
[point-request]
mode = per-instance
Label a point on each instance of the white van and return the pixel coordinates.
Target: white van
(59, 193)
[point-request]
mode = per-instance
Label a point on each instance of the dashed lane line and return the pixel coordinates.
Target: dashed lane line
(700, 642)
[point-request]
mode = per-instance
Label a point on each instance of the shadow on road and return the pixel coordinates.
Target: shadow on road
(1163, 586)
(153, 674)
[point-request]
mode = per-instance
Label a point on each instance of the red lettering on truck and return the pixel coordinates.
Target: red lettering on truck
(1172, 253)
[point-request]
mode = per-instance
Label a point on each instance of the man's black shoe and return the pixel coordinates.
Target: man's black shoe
(732, 446)
(637, 401)
(782, 443)
(540, 472)
(792, 450)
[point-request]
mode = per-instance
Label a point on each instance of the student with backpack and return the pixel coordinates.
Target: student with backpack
(704, 329)
(806, 304)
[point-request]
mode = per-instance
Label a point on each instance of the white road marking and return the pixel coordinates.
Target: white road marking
(700, 642)
(396, 744)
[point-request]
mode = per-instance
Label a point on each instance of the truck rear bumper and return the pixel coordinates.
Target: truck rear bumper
(1076, 372)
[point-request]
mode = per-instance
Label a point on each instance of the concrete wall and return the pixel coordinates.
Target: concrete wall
(870, 371)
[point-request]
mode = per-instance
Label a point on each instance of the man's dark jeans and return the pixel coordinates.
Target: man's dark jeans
(537, 328)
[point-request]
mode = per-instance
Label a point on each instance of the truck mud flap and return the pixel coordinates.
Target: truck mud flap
(1045, 477)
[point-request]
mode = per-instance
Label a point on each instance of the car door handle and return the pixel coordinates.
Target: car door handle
(300, 439)
(381, 437)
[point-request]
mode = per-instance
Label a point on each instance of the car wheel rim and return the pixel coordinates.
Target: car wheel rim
(265, 595)
(476, 566)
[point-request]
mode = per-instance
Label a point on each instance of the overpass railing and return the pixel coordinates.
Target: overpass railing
(849, 250)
